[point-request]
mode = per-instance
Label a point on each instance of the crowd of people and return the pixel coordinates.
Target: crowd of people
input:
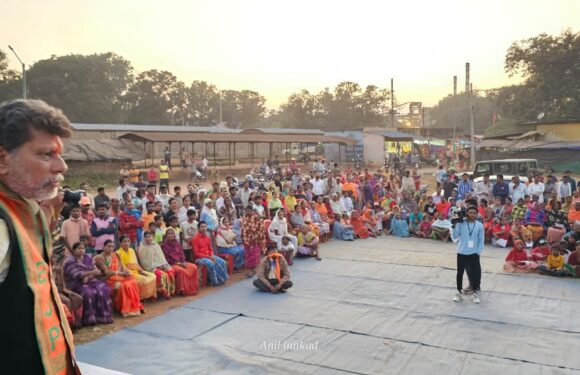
(144, 242)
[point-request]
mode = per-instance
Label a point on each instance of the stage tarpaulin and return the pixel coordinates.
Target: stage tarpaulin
(376, 306)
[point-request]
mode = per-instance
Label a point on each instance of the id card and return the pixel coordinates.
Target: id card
(470, 244)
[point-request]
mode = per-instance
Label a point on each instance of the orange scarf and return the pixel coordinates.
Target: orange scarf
(276, 258)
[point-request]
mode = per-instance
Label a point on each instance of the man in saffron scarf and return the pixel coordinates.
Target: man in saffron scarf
(273, 274)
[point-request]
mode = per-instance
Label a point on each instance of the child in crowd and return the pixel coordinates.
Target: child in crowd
(286, 248)
(84, 239)
(554, 264)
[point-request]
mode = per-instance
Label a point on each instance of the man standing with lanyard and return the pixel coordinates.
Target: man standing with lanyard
(34, 328)
(470, 235)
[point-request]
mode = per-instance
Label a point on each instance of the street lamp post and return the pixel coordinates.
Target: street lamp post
(23, 72)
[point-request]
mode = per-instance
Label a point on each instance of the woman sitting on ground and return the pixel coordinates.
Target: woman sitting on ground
(441, 228)
(360, 230)
(287, 249)
(368, 218)
(517, 259)
(279, 228)
(308, 243)
(487, 215)
(186, 280)
(81, 277)
(500, 232)
(342, 230)
(226, 243)
(556, 222)
(153, 260)
(399, 226)
(424, 227)
(323, 227)
(541, 252)
(146, 281)
(125, 290)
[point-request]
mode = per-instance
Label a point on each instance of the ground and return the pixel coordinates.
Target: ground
(371, 306)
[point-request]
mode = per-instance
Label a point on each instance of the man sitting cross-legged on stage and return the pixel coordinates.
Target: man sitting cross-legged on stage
(272, 272)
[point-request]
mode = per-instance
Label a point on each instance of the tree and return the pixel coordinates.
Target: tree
(299, 110)
(10, 80)
(203, 107)
(442, 114)
(151, 98)
(550, 66)
(87, 88)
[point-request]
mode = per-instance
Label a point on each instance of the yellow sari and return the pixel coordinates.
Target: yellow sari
(147, 283)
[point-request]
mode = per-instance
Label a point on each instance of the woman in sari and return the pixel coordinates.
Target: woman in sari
(508, 207)
(342, 230)
(125, 290)
(228, 210)
(226, 243)
(274, 204)
(325, 217)
(153, 260)
(557, 222)
(399, 226)
(209, 215)
(145, 280)
(308, 243)
(360, 230)
(369, 219)
(72, 301)
(279, 228)
(81, 277)
(517, 259)
(486, 213)
(305, 211)
(186, 280)
(323, 227)
(254, 237)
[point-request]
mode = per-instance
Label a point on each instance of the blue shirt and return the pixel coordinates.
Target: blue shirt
(463, 188)
(469, 234)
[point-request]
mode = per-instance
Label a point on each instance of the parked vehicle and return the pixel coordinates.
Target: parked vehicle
(507, 167)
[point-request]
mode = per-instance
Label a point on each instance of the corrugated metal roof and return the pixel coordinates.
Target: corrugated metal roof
(153, 128)
(394, 135)
(240, 137)
(283, 131)
(102, 150)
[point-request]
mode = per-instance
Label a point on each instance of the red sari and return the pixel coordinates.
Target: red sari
(359, 228)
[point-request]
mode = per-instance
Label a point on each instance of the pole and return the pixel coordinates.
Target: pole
(220, 107)
(392, 104)
(472, 127)
(454, 114)
(23, 72)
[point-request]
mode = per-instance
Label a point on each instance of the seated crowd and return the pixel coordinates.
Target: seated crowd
(113, 253)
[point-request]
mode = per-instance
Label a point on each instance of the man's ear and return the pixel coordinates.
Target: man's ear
(4, 156)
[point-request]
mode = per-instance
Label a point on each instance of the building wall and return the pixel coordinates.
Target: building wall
(560, 132)
(374, 148)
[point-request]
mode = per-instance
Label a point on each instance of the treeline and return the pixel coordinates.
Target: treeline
(104, 88)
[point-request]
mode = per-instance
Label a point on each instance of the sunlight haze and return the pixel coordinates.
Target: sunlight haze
(277, 48)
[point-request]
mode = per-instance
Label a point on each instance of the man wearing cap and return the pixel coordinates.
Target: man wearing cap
(34, 330)
(273, 274)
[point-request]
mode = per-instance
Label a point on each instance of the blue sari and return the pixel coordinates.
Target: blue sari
(341, 232)
(399, 227)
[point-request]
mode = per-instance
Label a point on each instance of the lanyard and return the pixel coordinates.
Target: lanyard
(470, 231)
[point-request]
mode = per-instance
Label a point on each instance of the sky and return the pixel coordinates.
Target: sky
(279, 47)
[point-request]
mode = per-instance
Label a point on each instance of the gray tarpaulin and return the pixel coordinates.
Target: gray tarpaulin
(370, 307)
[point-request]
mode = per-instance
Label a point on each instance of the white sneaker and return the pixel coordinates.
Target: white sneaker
(475, 298)
(458, 297)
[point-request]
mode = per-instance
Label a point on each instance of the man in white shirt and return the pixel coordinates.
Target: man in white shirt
(537, 188)
(188, 231)
(336, 205)
(219, 203)
(317, 185)
(564, 188)
(346, 202)
(483, 189)
(517, 189)
(408, 182)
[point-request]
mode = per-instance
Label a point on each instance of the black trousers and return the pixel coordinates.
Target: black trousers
(469, 263)
(260, 285)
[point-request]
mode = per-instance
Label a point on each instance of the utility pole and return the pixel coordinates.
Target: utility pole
(472, 127)
(220, 107)
(23, 72)
(392, 104)
(454, 114)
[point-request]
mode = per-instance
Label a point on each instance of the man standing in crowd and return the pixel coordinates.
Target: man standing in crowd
(465, 186)
(471, 238)
(34, 327)
(517, 189)
(537, 188)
